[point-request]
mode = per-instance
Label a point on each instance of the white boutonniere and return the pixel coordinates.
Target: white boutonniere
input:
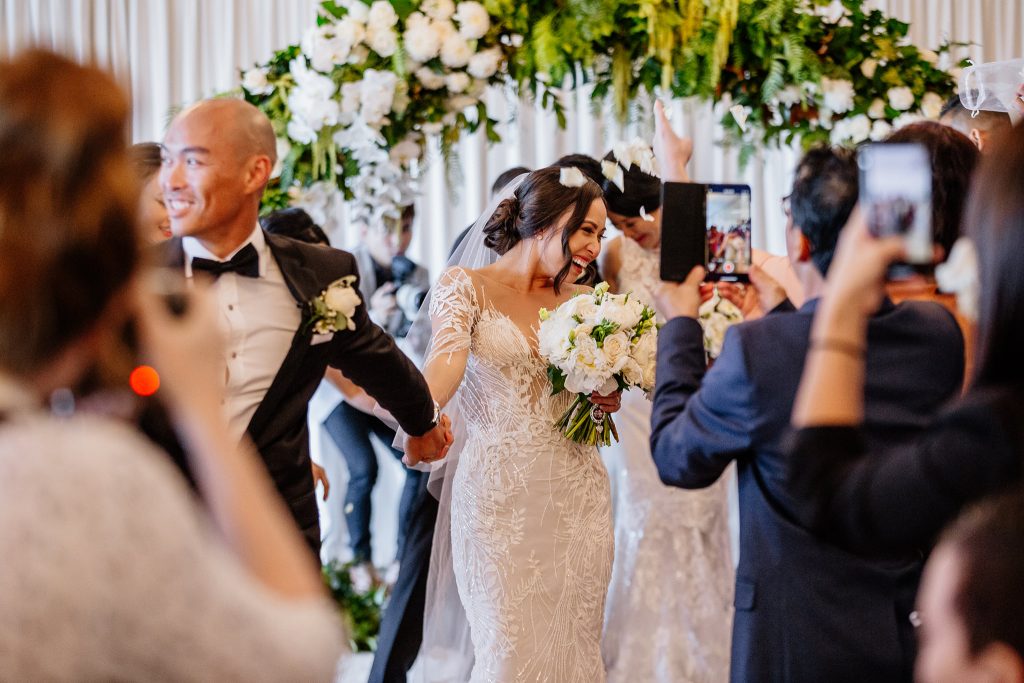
(334, 308)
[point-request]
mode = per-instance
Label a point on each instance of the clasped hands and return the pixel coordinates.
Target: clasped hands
(429, 447)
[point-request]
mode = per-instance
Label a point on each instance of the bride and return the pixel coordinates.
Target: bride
(530, 520)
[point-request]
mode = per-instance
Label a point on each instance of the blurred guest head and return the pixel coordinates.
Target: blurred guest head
(295, 223)
(995, 221)
(217, 158)
(954, 159)
(971, 604)
(824, 193)
(388, 238)
(979, 127)
(507, 177)
(67, 215)
(641, 194)
(153, 219)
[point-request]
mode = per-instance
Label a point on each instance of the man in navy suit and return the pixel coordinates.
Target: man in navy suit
(805, 611)
(217, 158)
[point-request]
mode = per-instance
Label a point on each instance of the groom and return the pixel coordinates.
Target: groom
(217, 158)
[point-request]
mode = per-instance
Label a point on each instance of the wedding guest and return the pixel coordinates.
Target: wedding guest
(112, 569)
(805, 610)
(980, 127)
(218, 155)
(971, 606)
(892, 495)
(395, 287)
(153, 219)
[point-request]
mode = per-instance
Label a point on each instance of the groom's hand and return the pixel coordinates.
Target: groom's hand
(430, 447)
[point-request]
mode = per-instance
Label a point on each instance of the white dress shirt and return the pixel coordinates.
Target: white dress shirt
(259, 318)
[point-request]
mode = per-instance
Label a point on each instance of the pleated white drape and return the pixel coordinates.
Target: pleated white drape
(172, 52)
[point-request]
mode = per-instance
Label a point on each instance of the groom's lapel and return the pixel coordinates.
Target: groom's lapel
(303, 284)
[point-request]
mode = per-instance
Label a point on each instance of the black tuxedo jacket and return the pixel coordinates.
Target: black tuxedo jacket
(366, 355)
(805, 610)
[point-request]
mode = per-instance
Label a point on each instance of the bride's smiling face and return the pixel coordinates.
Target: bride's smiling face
(584, 243)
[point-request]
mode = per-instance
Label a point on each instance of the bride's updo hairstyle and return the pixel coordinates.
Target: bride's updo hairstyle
(535, 207)
(642, 190)
(67, 205)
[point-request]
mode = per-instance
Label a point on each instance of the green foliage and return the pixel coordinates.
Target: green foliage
(362, 611)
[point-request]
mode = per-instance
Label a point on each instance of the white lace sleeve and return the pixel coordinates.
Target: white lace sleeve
(454, 311)
(112, 572)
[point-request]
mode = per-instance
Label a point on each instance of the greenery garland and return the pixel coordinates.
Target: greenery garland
(354, 104)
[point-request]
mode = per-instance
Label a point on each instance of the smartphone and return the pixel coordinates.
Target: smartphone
(896, 199)
(727, 233)
(706, 225)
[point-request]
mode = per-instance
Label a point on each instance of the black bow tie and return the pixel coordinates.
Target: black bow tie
(246, 263)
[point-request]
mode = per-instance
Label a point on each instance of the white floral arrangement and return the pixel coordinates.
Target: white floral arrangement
(599, 342)
(716, 315)
(335, 307)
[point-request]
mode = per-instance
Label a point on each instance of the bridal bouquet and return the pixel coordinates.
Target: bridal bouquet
(597, 342)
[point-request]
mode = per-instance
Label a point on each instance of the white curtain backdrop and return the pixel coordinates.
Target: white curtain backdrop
(169, 53)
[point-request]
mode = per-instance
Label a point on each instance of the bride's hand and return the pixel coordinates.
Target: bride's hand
(610, 403)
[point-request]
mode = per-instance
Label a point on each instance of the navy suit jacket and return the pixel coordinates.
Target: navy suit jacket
(805, 610)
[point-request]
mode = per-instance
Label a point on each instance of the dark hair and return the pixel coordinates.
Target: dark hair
(537, 204)
(642, 190)
(954, 158)
(295, 223)
(995, 220)
(954, 112)
(67, 205)
(590, 166)
(989, 544)
(824, 193)
(507, 177)
(145, 158)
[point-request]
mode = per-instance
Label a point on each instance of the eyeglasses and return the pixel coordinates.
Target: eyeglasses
(785, 206)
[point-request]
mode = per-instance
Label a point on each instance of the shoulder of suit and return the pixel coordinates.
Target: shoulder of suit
(930, 314)
(316, 256)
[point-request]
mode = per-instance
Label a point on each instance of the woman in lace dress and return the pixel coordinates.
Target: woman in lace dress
(669, 614)
(112, 570)
(531, 536)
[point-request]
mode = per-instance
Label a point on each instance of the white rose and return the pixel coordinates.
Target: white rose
(438, 9)
(929, 56)
(417, 19)
(484, 64)
(838, 94)
(430, 79)
(455, 52)
(649, 376)
(474, 22)
(422, 42)
(632, 372)
(877, 109)
(645, 349)
(553, 338)
(880, 130)
(381, 15)
(357, 10)
(255, 81)
(582, 306)
(907, 119)
(342, 299)
(616, 348)
(456, 81)
(931, 105)
(901, 99)
(383, 41)
(868, 67)
(852, 129)
(625, 315)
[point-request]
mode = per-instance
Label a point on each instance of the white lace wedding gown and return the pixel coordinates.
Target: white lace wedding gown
(530, 511)
(669, 615)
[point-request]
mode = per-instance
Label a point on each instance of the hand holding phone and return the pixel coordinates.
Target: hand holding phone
(705, 225)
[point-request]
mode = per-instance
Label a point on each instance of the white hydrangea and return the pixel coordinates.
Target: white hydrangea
(331, 44)
(473, 20)
(901, 98)
(422, 41)
(838, 94)
(851, 129)
(357, 10)
(382, 40)
(931, 105)
(907, 119)
(880, 130)
(485, 63)
(430, 79)
(255, 81)
(455, 52)
(456, 82)
(877, 109)
(438, 9)
(381, 15)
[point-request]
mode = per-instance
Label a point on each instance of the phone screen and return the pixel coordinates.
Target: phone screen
(727, 231)
(896, 195)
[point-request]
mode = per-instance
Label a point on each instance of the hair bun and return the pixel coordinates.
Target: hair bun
(501, 232)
